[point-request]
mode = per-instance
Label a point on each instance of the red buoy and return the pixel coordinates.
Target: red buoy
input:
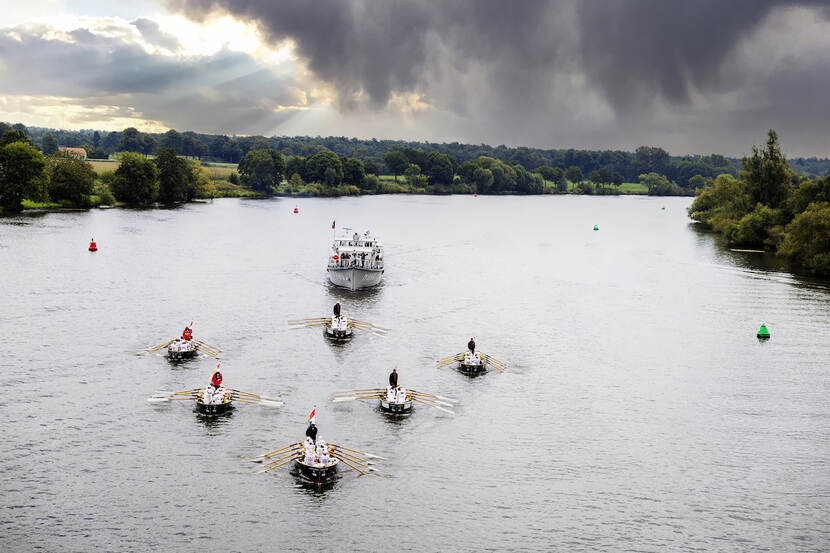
(93, 247)
(296, 210)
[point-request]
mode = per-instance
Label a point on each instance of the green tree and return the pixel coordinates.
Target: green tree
(130, 141)
(807, 192)
(371, 167)
(753, 228)
(147, 144)
(14, 135)
(50, 144)
(658, 185)
(172, 139)
(296, 183)
(650, 159)
(574, 174)
(353, 172)
(22, 174)
(697, 182)
(174, 176)
(296, 164)
(325, 167)
(807, 239)
(70, 179)
(439, 169)
(198, 182)
(261, 170)
(397, 162)
(136, 180)
(547, 172)
(96, 139)
(767, 174)
(721, 205)
(482, 179)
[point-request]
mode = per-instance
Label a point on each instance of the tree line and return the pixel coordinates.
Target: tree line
(67, 180)
(231, 149)
(766, 207)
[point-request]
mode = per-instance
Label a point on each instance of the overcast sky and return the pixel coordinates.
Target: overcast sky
(693, 77)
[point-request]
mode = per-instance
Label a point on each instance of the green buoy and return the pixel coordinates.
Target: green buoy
(596, 227)
(763, 333)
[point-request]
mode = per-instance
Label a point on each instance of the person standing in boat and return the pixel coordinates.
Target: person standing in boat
(187, 334)
(311, 432)
(393, 378)
(337, 309)
(214, 393)
(471, 345)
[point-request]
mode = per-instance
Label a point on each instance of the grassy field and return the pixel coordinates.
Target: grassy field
(219, 172)
(101, 165)
(216, 171)
(633, 188)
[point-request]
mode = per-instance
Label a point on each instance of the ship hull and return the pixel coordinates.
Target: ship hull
(354, 278)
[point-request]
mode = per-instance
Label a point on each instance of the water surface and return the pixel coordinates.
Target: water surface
(639, 411)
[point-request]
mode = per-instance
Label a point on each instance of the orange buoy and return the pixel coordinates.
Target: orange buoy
(296, 210)
(93, 247)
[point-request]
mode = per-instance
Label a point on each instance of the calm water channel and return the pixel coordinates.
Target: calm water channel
(639, 413)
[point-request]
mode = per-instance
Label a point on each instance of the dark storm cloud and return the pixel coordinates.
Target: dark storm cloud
(637, 49)
(630, 48)
(225, 92)
(395, 45)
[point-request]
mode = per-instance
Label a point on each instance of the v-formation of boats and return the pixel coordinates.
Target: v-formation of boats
(356, 262)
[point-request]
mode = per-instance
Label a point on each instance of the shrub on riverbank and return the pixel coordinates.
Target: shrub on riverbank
(764, 209)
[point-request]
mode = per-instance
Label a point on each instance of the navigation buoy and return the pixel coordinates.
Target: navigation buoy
(596, 227)
(93, 247)
(296, 210)
(763, 333)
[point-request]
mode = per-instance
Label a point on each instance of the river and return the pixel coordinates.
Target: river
(639, 411)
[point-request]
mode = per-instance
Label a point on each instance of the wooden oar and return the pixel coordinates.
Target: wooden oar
(433, 406)
(432, 400)
(277, 451)
(369, 324)
(281, 464)
(284, 455)
(213, 354)
(410, 390)
(352, 458)
(351, 465)
(491, 359)
(359, 390)
(249, 394)
(452, 357)
(158, 347)
(263, 402)
(368, 455)
(352, 398)
(207, 347)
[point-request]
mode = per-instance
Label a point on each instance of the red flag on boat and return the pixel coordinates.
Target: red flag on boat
(312, 417)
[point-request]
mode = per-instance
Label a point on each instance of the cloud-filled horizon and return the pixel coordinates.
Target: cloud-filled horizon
(692, 77)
